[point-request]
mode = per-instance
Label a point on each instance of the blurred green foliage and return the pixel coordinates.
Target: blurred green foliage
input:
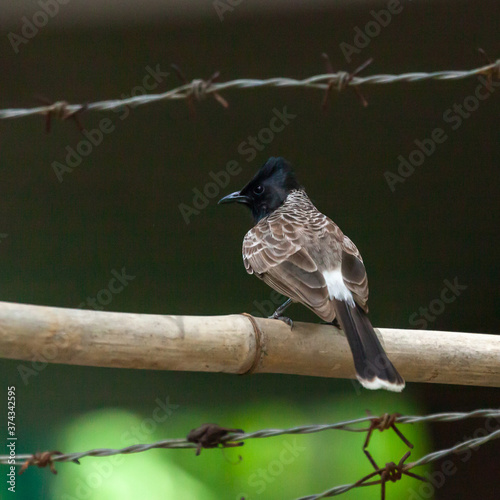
(279, 467)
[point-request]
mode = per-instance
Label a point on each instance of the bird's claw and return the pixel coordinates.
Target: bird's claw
(286, 320)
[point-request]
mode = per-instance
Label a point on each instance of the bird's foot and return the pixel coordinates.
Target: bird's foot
(286, 320)
(334, 323)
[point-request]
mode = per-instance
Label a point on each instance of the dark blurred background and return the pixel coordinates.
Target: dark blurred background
(120, 208)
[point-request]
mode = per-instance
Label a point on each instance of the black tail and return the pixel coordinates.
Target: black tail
(373, 368)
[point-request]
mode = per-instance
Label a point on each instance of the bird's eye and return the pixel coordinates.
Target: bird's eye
(259, 189)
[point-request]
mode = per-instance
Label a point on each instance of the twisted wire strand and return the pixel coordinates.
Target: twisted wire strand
(200, 88)
(464, 445)
(347, 425)
(431, 457)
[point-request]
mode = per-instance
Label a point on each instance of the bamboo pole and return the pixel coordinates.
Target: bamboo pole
(237, 344)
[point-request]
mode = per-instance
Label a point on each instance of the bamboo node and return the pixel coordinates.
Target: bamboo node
(259, 337)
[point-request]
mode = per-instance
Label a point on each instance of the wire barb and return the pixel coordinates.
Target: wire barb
(60, 110)
(343, 79)
(391, 472)
(386, 421)
(199, 89)
(213, 436)
(42, 459)
(494, 71)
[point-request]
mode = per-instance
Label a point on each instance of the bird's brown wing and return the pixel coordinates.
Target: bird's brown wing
(354, 273)
(275, 250)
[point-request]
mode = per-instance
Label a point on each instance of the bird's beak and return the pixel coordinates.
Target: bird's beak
(234, 197)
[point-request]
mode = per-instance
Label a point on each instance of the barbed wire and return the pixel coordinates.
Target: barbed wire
(431, 457)
(199, 89)
(213, 436)
(347, 425)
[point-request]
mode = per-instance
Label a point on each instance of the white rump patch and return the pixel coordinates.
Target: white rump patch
(336, 286)
(378, 383)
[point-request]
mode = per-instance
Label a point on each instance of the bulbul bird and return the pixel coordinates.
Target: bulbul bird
(303, 255)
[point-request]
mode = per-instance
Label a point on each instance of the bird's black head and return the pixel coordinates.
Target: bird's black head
(268, 189)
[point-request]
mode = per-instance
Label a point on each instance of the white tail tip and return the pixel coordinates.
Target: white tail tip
(378, 383)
